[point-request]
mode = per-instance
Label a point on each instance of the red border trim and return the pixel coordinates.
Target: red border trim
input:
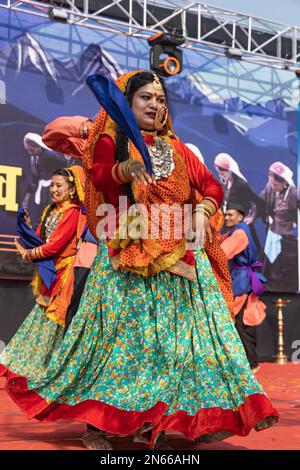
(114, 420)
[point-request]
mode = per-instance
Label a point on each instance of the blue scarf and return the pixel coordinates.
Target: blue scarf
(30, 239)
(115, 104)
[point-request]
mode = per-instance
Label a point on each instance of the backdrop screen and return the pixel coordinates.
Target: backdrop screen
(242, 118)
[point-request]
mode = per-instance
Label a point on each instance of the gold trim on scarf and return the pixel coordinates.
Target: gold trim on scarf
(44, 300)
(53, 310)
(160, 264)
(184, 270)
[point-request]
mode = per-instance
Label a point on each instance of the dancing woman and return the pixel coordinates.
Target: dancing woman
(30, 350)
(152, 347)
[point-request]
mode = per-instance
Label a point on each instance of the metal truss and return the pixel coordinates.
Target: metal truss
(207, 29)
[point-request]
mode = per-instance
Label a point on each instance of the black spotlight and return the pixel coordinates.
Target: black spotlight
(165, 57)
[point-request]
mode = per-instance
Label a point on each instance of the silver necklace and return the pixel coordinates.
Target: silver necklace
(51, 223)
(161, 155)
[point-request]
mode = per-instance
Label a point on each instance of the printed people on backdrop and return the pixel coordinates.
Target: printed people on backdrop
(236, 187)
(43, 162)
(238, 191)
(280, 260)
(196, 152)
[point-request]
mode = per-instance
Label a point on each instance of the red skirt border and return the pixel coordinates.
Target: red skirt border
(256, 409)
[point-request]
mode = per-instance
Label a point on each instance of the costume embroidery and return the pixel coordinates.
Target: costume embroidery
(161, 154)
(53, 219)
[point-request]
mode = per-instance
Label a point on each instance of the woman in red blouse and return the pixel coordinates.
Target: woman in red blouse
(32, 347)
(152, 346)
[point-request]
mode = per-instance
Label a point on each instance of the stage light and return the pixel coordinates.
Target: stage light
(165, 57)
(171, 66)
(58, 14)
(234, 53)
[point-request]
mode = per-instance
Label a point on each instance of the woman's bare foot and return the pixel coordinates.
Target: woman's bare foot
(161, 443)
(95, 440)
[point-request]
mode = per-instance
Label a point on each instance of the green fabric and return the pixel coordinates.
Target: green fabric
(30, 350)
(136, 341)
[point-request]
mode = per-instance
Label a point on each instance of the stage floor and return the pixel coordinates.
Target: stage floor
(281, 382)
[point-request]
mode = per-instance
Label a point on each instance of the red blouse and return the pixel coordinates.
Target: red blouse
(104, 160)
(63, 233)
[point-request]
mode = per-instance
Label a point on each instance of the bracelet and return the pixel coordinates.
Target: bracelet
(84, 130)
(116, 175)
(35, 253)
(203, 212)
(124, 170)
(212, 203)
(203, 209)
(32, 254)
(40, 252)
(207, 209)
(208, 206)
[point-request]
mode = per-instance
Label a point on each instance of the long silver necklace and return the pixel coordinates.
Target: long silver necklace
(161, 155)
(51, 223)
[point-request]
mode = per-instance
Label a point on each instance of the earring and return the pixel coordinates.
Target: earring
(161, 118)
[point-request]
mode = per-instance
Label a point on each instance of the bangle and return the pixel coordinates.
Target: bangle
(209, 206)
(203, 213)
(40, 252)
(203, 209)
(115, 174)
(124, 170)
(206, 209)
(35, 253)
(211, 202)
(84, 130)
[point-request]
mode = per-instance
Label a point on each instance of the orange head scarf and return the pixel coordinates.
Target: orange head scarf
(79, 180)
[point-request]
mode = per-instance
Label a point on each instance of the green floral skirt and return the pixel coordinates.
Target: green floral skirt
(159, 353)
(30, 350)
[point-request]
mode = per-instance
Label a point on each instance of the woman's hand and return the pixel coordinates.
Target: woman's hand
(139, 173)
(201, 229)
(25, 254)
(136, 172)
(27, 219)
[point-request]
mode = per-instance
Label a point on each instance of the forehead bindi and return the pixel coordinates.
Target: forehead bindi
(149, 89)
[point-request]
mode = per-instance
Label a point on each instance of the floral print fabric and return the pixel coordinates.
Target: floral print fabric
(138, 341)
